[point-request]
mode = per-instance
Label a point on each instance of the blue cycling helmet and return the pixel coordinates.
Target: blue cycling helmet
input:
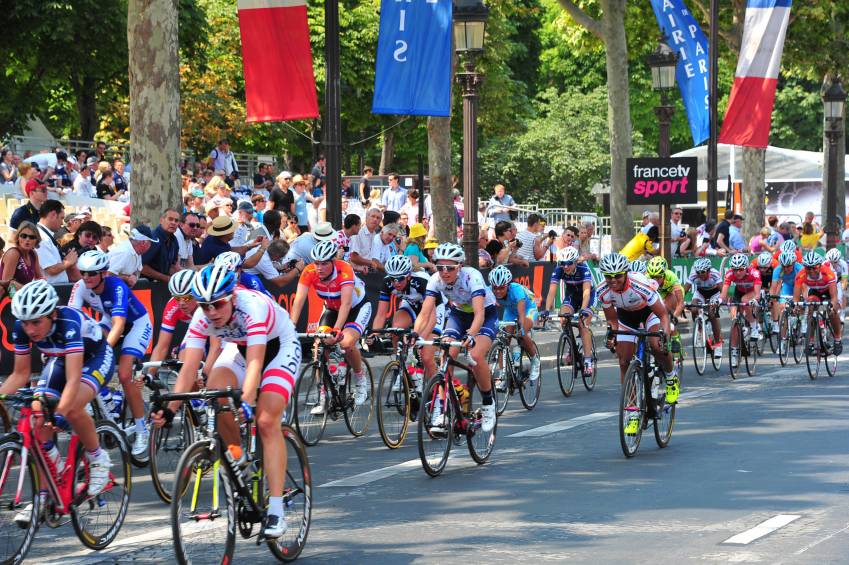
(213, 282)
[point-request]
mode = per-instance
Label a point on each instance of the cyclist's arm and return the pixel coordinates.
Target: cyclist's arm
(659, 310)
(687, 287)
(425, 314)
(344, 306)
(215, 346)
(380, 316)
(723, 294)
(254, 355)
(298, 303)
(757, 289)
(585, 299)
(773, 288)
(118, 324)
(477, 321)
(160, 350)
(192, 356)
(73, 375)
(678, 291)
(611, 317)
(520, 316)
(20, 375)
(549, 298)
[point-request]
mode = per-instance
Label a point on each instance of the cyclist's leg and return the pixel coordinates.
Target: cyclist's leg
(427, 353)
(566, 309)
(625, 347)
(661, 357)
(748, 310)
(229, 370)
(527, 339)
(358, 319)
(134, 345)
(404, 317)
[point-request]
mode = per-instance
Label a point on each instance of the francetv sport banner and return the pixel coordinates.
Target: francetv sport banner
(413, 71)
(652, 180)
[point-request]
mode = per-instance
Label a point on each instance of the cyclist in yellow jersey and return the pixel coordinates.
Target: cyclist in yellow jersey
(672, 293)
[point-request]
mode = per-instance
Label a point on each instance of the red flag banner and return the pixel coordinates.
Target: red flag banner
(279, 80)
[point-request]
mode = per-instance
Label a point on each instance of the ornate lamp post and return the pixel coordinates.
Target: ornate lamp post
(663, 62)
(833, 100)
(469, 29)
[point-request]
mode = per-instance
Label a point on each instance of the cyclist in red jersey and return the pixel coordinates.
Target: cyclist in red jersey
(747, 288)
(819, 283)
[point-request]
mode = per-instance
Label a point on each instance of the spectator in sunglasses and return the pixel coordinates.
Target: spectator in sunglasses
(20, 263)
(37, 194)
(188, 230)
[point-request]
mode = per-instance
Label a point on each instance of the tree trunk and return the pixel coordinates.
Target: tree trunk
(154, 107)
(618, 117)
(387, 153)
(754, 170)
(87, 109)
(439, 170)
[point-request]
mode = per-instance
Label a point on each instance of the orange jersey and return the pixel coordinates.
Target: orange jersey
(827, 278)
(331, 290)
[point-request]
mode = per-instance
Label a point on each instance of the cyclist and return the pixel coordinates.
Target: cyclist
(788, 246)
(706, 283)
(79, 362)
(820, 284)
(346, 309)
(261, 353)
(670, 290)
(766, 264)
(410, 288)
(841, 270)
(233, 261)
(472, 318)
(126, 321)
(747, 288)
(784, 279)
(518, 305)
(638, 266)
(629, 301)
(578, 295)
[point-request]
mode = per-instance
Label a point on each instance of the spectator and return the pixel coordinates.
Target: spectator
(30, 212)
(404, 223)
(707, 237)
(85, 238)
(811, 234)
(20, 262)
(677, 233)
(774, 239)
(809, 218)
(262, 185)
(106, 186)
(186, 234)
(499, 207)
(55, 267)
(394, 197)
(301, 247)
(258, 201)
(107, 239)
(120, 181)
(503, 248)
(533, 246)
(721, 240)
(272, 253)
(411, 207)
(317, 174)
(8, 169)
(211, 210)
(688, 246)
(291, 231)
(72, 224)
(245, 224)
(735, 233)
(365, 186)
(222, 192)
(759, 242)
(386, 244)
(413, 250)
(271, 222)
(350, 227)
(82, 184)
(361, 244)
(125, 260)
(282, 198)
(221, 158)
(218, 236)
(784, 232)
(352, 195)
(159, 262)
(100, 151)
(585, 242)
(484, 258)
(302, 198)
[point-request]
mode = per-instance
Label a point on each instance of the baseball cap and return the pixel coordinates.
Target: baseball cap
(143, 233)
(646, 213)
(245, 206)
(33, 184)
(286, 175)
(91, 161)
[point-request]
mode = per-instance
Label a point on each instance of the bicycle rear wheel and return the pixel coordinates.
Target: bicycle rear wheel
(783, 338)
(529, 390)
(664, 422)
(812, 349)
(357, 418)
(699, 345)
(565, 373)
(16, 535)
(166, 447)
(203, 511)
(501, 366)
(796, 339)
(480, 443)
(589, 380)
(632, 409)
(97, 520)
(310, 394)
(393, 405)
(297, 499)
(752, 351)
(735, 336)
(829, 358)
(435, 441)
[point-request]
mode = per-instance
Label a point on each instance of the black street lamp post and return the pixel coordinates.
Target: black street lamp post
(332, 128)
(469, 29)
(663, 61)
(833, 100)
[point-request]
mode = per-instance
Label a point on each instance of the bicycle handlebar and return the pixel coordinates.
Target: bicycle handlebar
(316, 335)
(638, 333)
(446, 345)
(234, 394)
(393, 331)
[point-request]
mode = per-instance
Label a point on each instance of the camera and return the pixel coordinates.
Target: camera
(517, 242)
(552, 234)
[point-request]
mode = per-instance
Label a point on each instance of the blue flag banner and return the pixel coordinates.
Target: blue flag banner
(685, 36)
(413, 71)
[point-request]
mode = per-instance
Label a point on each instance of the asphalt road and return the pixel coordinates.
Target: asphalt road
(757, 471)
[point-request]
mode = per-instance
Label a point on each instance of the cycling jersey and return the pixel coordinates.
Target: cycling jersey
(572, 288)
(172, 316)
(469, 284)
(253, 282)
(819, 285)
(713, 281)
(670, 281)
(745, 284)
(639, 292)
(331, 290)
(841, 269)
(517, 293)
(116, 300)
(787, 279)
(413, 295)
(766, 274)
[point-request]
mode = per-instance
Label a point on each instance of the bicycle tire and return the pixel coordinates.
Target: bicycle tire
(827, 346)
(393, 406)
(358, 418)
(308, 391)
(699, 345)
(783, 342)
(434, 447)
(590, 380)
(773, 336)
(632, 399)
(126, 424)
(113, 440)
(13, 546)
(766, 330)
(522, 370)
(199, 464)
(480, 443)
(664, 422)
(529, 391)
(715, 360)
(796, 330)
(164, 443)
(297, 499)
(812, 359)
(501, 367)
(565, 373)
(733, 367)
(752, 351)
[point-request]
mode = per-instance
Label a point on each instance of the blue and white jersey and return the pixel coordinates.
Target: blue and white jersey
(116, 300)
(469, 284)
(252, 282)
(574, 283)
(73, 332)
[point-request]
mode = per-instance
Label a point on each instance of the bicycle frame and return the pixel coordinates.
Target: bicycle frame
(443, 369)
(641, 356)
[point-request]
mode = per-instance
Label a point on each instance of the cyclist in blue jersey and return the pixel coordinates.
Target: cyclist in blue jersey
(125, 320)
(577, 295)
(233, 261)
(472, 317)
(79, 362)
(783, 281)
(519, 306)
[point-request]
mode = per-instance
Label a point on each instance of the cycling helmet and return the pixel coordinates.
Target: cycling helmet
(449, 252)
(812, 259)
(787, 258)
(568, 254)
(738, 261)
(180, 283)
(229, 259)
(398, 266)
(500, 276)
(94, 260)
(789, 246)
(765, 259)
(638, 266)
(833, 255)
(324, 251)
(213, 282)
(613, 263)
(702, 265)
(34, 300)
(656, 267)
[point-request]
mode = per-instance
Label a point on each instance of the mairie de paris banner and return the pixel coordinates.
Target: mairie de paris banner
(413, 70)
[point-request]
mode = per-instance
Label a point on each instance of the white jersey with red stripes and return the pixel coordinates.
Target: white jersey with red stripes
(639, 292)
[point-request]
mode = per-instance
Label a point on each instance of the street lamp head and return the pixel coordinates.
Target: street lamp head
(469, 26)
(834, 100)
(663, 62)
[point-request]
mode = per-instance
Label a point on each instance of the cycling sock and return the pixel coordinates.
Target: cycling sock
(487, 397)
(275, 505)
(94, 454)
(140, 426)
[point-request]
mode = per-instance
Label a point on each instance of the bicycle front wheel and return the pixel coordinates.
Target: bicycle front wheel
(812, 349)
(436, 426)
(480, 443)
(589, 379)
(827, 347)
(166, 447)
(393, 405)
(797, 339)
(19, 517)
(501, 366)
(203, 510)
(565, 360)
(358, 417)
(734, 351)
(783, 338)
(753, 349)
(632, 409)
(529, 390)
(699, 345)
(664, 422)
(311, 404)
(297, 499)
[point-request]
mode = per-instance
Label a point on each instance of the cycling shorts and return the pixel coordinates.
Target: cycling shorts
(574, 297)
(707, 295)
(411, 312)
(632, 320)
(97, 371)
(786, 291)
(358, 317)
(137, 338)
(458, 322)
(821, 294)
(279, 367)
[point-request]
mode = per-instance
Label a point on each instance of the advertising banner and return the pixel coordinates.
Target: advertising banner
(651, 180)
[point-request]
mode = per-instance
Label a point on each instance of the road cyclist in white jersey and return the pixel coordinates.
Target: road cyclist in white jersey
(630, 301)
(472, 318)
(841, 271)
(706, 283)
(261, 352)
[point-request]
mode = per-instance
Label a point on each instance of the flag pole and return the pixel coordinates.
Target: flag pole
(332, 115)
(713, 100)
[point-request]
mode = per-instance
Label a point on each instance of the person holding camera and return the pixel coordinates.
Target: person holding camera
(534, 243)
(503, 249)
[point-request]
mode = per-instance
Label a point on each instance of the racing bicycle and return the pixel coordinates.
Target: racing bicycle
(511, 368)
(570, 357)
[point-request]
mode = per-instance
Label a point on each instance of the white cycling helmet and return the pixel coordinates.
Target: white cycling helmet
(94, 260)
(324, 251)
(812, 259)
(638, 266)
(788, 245)
(738, 261)
(787, 258)
(833, 255)
(568, 254)
(449, 252)
(180, 283)
(398, 266)
(765, 259)
(702, 265)
(34, 300)
(500, 276)
(613, 263)
(229, 259)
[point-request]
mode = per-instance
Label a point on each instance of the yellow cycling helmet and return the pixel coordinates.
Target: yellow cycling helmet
(656, 267)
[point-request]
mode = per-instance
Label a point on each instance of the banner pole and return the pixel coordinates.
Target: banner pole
(332, 115)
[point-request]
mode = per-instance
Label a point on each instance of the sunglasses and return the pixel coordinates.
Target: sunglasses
(27, 236)
(184, 299)
(447, 268)
(398, 279)
(813, 268)
(193, 225)
(614, 276)
(217, 305)
(738, 270)
(90, 273)
(500, 288)
(565, 263)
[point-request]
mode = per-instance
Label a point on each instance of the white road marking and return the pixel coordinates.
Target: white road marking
(762, 529)
(822, 539)
(454, 462)
(564, 425)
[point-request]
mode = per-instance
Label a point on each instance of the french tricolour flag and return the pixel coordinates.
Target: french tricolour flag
(749, 115)
(276, 54)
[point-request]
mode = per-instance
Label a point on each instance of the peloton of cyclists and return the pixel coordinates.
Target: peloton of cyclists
(835, 259)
